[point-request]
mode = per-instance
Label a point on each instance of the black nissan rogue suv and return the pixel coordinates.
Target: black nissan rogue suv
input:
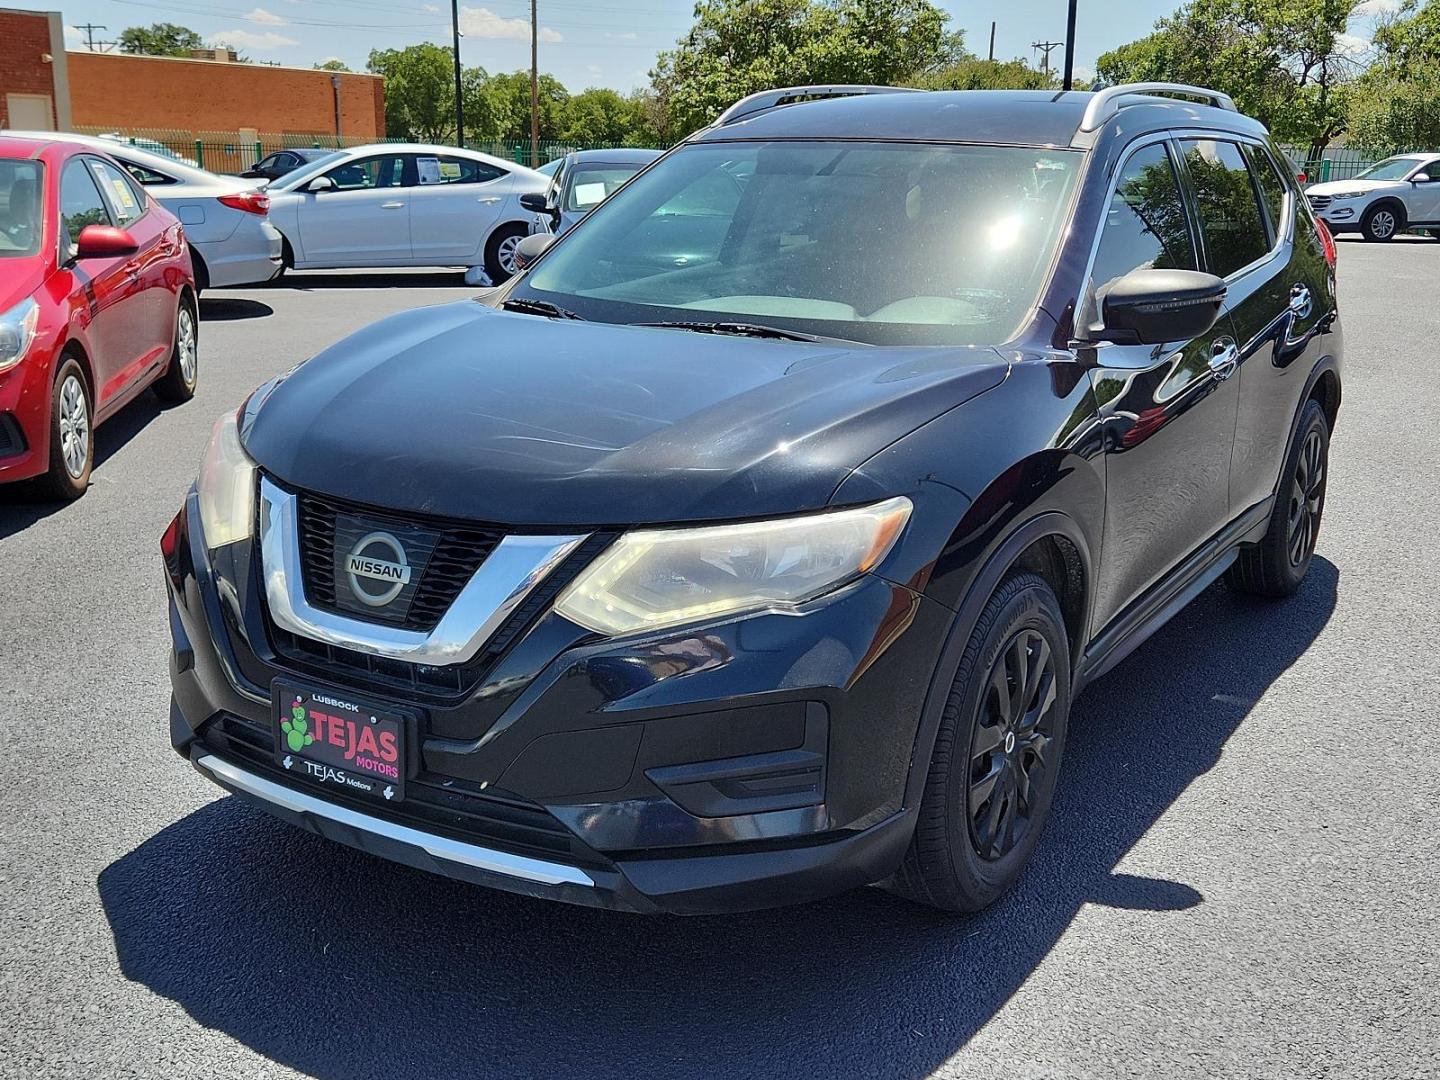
(753, 544)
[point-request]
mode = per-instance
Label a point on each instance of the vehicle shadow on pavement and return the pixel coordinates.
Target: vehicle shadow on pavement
(413, 279)
(232, 309)
(341, 965)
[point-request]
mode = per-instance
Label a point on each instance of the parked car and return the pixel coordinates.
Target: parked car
(152, 146)
(582, 181)
(1393, 195)
(273, 166)
(97, 302)
(404, 205)
(226, 219)
(754, 581)
(548, 169)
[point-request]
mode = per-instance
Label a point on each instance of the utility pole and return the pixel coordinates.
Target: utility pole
(992, 40)
(1046, 47)
(459, 92)
(534, 87)
(1069, 83)
(90, 29)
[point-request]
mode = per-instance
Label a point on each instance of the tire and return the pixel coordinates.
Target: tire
(499, 251)
(1434, 234)
(287, 261)
(202, 272)
(1277, 564)
(1382, 223)
(958, 861)
(72, 434)
(178, 382)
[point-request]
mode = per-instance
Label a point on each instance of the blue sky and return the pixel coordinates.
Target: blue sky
(583, 43)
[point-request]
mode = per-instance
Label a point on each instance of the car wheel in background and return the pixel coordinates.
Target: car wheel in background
(72, 434)
(202, 272)
(178, 382)
(1277, 564)
(997, 753)
(500, 251)
(1381, 222)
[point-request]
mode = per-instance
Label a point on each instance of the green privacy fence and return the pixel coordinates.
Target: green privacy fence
(234, 152)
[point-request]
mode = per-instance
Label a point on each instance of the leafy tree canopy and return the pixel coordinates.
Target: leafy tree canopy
(160, 39)
(1395, 105)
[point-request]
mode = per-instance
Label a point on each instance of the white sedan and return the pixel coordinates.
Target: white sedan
(403, 204)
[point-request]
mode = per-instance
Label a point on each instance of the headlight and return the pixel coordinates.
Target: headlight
(1348, 195)
(226, 486)
(652, 578)
(17, 331)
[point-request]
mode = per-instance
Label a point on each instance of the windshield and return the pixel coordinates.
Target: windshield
(305, 172)
(20, 226)
(883, 243)
(1395, 168)
(591, 185)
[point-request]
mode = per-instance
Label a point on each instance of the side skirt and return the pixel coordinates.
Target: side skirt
(1134, 626)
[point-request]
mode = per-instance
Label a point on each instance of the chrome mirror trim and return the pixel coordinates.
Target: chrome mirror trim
(499, 585)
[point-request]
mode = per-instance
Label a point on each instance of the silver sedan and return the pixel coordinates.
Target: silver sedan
(226, 219)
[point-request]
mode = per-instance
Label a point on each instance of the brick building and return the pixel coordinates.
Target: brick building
(43, 86)
(34, 87)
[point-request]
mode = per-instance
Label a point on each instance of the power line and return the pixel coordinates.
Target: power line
(90, 29)
(1048, 47)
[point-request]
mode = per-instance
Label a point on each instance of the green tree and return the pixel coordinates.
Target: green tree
(419, 91)
(602, 116)
(509, 100)
(160, 39)
(973, 73)
(332, 64)
(738, 47)
(1395, 105)
(1283, 61)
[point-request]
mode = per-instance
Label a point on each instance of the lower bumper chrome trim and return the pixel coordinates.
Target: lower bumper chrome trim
(440, 847)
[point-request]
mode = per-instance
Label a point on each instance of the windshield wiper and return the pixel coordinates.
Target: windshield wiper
(740, 329)
(540, 307)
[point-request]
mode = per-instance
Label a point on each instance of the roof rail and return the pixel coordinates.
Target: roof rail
(1107, 103)
(786, 95)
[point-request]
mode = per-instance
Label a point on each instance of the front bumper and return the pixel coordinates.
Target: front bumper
(1339, 215)
(735, 766)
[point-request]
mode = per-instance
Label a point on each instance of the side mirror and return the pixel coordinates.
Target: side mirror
(1150, 307)
(534, 201)
(104, 242)
(320, 183)
(531, 248)
(1420, 178)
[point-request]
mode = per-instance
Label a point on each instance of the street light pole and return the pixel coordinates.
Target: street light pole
(1069, 83)
(459, 93)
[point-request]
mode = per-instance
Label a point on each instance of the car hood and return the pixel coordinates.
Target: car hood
(464, 411)
(1338, 187)
(19, 278)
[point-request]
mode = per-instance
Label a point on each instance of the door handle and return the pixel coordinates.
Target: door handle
(391, 205)
(1300, 301)
(1224, 359)
(487, 199)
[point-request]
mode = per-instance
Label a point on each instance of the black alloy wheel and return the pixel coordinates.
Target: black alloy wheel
(1307, 499)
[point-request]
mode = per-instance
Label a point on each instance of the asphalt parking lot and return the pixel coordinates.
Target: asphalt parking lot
(1242, 877)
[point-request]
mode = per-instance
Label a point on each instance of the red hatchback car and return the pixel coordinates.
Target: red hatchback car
(97, 302)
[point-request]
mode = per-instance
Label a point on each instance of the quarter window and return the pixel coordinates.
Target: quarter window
(1230, 223)
(1145, 225)
(80, 204)
(1273, 190)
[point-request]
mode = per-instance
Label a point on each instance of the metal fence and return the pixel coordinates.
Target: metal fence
(234, 152)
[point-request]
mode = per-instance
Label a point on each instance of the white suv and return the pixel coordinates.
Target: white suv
(1399, 193)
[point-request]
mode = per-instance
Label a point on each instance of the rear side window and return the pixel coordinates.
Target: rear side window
(1273, 190)
(442, 169)
(1145, 224)
(1230, 223)
(80, 204)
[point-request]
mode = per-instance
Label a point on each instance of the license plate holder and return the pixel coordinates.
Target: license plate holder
(347, 744)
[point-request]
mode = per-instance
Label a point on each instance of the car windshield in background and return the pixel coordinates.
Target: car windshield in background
(1389, 169)
(20, 224)
(593, 184)
(308, 171)
(896, 244)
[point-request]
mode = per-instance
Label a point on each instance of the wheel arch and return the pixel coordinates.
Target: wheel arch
(1393, 202)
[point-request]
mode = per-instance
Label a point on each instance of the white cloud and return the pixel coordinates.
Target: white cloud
(1352, 45)
(266, 18)
(484, 23)
(74, 39)
(1378, 7)
(630, 36)
(248, 39)
(595, 70)
(431, 8)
